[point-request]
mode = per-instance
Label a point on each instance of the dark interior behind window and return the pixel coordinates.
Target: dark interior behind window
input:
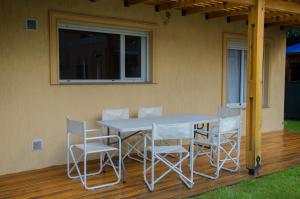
(88, 55)
(133, 57)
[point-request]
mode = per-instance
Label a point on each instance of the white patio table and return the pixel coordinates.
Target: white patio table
(134, 125)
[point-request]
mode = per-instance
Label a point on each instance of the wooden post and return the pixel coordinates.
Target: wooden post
(254, 86)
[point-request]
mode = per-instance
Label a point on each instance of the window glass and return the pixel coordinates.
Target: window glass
(133, 57)
(85, 55)
(234, 76)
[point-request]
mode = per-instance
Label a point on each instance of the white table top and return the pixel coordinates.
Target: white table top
(143, 124)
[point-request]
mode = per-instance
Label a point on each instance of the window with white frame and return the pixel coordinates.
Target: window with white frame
(90, 54)
(237, 74)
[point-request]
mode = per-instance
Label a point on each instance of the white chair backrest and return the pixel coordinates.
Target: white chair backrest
(172, 131)
(230, 119)
(149, 112)
(76, 127)
(115, 114)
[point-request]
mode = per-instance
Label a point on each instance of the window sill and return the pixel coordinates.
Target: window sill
(107, 83)
(244, 106)
(266, 107)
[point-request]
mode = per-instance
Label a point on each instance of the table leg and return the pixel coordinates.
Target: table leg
(108, 139)
(122, 162)
(207, 128)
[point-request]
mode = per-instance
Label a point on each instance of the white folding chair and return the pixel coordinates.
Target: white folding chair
(145, 112)
(117, 114)
(159, 153)
(150, 112)
(223, 140)
(90, 145)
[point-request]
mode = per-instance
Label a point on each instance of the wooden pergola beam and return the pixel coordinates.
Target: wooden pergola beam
(241, 2)
(216, 8)
(183, 4)
(282, 23)
(228, 13)
(237, 18)
(276, 5)
(280, 19)
(287, 27)
(283, 6)
(165, 6)
(128, 3)
(254, 86)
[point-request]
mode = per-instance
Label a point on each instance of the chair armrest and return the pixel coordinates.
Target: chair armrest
(104, 137)
(229, 132)
(92, 130)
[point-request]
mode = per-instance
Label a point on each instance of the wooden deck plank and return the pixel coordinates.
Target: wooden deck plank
(280, 150)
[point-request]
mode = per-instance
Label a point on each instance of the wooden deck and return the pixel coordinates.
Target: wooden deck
(280, 150)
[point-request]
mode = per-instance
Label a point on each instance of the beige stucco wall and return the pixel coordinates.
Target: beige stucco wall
(189, 76)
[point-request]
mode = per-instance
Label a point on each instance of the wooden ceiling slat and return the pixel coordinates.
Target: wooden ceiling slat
(277, 5)
(268, 18)
(227, 13)
(278, 12)
(221, 7)
(243, 17)
(284, 23)
(283, 6)
(281, 19)
(183, 4)
(295, 26)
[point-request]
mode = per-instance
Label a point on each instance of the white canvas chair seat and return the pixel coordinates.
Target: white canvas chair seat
(168, 149)
(223, 137)
(95, 147)
(161, 132)
(89, 146)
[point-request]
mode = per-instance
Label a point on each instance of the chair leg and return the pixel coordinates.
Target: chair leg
(68, 163)
(211, 160)
(118, 173)
(145, 165)
(228, 157)
(152, 171)
(124, 170)
(122, 165)
(76, 166)
(174, 167)
(218, 162)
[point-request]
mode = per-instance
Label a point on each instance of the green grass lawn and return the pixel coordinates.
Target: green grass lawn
(292, 125)
(281, 185)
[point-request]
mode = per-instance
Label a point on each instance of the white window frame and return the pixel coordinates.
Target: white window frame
(123, 79)
(242, 46)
